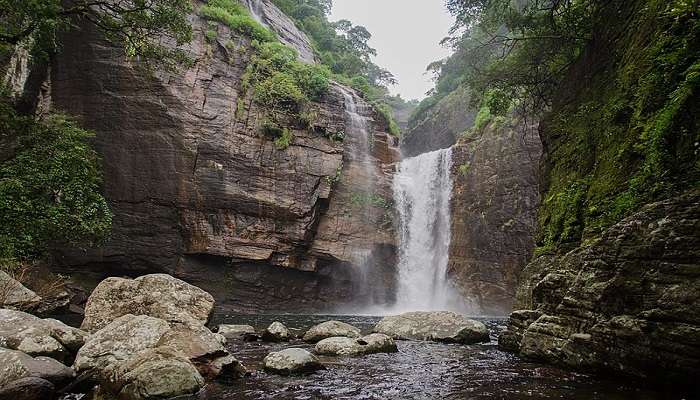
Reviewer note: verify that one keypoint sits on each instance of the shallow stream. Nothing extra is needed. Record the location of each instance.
(418, 371)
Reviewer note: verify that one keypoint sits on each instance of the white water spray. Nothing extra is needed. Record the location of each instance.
(256, 10)
(422, 191)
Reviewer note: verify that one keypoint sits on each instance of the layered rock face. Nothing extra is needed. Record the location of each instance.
(440, 126)
(626, 303)
(494, 212)
(197, 191)
(265, 12)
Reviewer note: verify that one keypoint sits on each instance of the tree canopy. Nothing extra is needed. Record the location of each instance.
(139, 25)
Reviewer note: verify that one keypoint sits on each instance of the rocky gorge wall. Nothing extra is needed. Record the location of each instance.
(616, 283)
(627, 303)
(494, 212)
(439, 126)
(199, 192)
(494, 201)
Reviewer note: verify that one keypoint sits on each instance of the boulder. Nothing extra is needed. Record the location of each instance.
(120, 340)
(204, 348)
(331, 329)
(38, 337)
(28, 389)
(276, 332)
(235, 331)
(130, 335)
(161, 296)
(440, 326)
(15, 295)
(291, 361)
(157, 373)
(344, 346)
(18, 365)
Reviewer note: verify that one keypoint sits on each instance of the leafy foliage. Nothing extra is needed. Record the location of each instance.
(236, 16)
(344, 49)
(632, 135)
(49, 186)
(139, 25)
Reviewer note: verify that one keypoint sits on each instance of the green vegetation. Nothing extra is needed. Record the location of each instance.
(49, 186)
(236, 16)
(139, 26)
(277, 80)
(633, 142)
(344, 49)
(625, 138)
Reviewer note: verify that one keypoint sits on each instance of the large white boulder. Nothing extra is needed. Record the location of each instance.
(344, 346)
(439, 326)
(291, 361)
(331, 329)
(161, 296)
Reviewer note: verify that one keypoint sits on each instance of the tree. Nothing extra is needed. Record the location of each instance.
(139, 25)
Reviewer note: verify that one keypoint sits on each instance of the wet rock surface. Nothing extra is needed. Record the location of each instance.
(292, 361)
(494, 213)
(196, 189)
(448, 371)
(329, 329)
(276, 332)
(344, 346)
(626, 303)
(440, 326)
(235, 331)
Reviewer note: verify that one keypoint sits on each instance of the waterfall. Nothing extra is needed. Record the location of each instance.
(358, 133)
(422, 192)
(256, 10)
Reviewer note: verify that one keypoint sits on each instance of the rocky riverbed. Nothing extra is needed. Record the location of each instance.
(156, 337)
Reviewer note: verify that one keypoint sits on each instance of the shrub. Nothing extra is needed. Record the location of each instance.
(49, 188)
(283, 142)
(236, 17)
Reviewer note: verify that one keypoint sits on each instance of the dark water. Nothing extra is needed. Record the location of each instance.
(418, 371)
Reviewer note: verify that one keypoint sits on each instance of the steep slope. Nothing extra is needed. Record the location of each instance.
(494, 212)
(440, 125)
(199, 191)
(616, 286)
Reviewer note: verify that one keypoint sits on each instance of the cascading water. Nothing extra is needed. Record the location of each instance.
(256, 11)
(361, 164)
(422, 192)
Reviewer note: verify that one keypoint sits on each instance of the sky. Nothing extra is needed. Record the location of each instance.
(406, 35)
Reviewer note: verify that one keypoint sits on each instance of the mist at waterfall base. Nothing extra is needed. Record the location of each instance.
(422, 193)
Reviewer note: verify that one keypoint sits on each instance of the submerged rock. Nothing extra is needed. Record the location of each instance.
(235, 331)
(331, 329)
(39, 337)
(344, 346)
(439, 326)
(276, 332)
(292, 361)
(161, 296)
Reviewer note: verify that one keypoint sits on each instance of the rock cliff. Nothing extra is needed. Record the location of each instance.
(616, 285)
(627, 303)
(494, 212)
(439, 126)
(198, 191)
